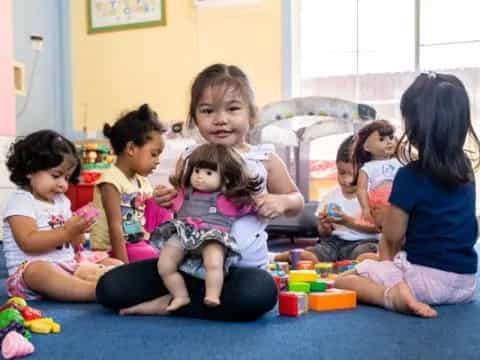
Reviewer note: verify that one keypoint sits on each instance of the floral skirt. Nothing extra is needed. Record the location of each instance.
(192, 240)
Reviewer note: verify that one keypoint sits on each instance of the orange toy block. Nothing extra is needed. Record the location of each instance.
(332, 299)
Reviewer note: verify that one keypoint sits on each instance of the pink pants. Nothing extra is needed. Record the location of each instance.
(429, 285)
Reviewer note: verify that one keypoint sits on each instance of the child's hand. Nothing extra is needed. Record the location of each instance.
(76, 241)
(164, 195)
(77, 225)
(269, 206)
(325, 225)
(367, 215)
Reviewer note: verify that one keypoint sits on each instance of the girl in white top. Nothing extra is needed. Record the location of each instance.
(223, 110)
(375, 167)
(39, 230)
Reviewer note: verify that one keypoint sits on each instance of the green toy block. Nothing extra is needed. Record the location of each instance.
(299, 287)
(318, 286)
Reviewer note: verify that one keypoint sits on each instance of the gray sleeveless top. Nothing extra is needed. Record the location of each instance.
(203, 207)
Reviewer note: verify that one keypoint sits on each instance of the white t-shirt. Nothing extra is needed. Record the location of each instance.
(380, 171)
(47, 216)
(352, 208)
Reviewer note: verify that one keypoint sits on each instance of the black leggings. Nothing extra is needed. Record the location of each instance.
(247, 293)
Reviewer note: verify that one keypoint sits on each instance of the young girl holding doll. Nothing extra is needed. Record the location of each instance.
(427, 248)
(39, 231)
(121, 192)
(214, 188)
(222, 109)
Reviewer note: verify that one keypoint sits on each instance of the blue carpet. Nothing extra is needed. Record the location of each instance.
(91, 332)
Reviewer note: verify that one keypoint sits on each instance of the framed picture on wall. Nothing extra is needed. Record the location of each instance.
(112, 15)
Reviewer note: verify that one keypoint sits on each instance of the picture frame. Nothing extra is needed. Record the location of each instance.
(113, 15)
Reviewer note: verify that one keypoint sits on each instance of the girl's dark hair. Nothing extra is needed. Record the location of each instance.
(134, 126)
(237, 183)
(344, 152)
(360, 155)
(436, 112)
(224, 77)
(41, 150)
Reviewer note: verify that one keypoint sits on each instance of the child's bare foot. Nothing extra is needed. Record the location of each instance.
(404, 301)
(156, 306)
(178, 302)
(211, 301)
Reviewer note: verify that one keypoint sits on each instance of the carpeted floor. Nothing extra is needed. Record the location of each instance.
(91, 332)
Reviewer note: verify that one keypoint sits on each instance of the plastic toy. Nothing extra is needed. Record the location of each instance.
(43, 326)
(318, 286)
(95, 156)
(9, 315)
(15, 326)
(324, 268)
(88, 212)
(302, 276)
(292, 304)
(344, 265)
(295, 257)
(17, 300)
(332, 299)
(303, 287)
(333, 210)
(30, 313)
(15, 345)
(280, 281)
(305, 265)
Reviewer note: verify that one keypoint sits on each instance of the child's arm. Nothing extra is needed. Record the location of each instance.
(354, 224)
(31, 240)
(164, 194)
(284, 197)
(393, 232)
(362, 194)
(111, 204)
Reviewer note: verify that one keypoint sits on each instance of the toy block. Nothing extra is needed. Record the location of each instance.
(299, 287)
(318, 286)
(305, 265)
(280, 281)
(344, 265)
(295, 257)
(324, 268)
(332, 299)
(302, 276)
(292, 304)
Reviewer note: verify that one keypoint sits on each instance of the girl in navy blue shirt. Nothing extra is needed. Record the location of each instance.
(427, 254)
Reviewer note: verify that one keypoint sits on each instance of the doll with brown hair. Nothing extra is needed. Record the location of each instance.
(214, 188)
(375, 166)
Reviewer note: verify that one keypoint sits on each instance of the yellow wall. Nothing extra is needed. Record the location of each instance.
(119, 70)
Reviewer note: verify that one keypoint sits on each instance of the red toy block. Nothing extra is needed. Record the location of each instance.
(292, 303)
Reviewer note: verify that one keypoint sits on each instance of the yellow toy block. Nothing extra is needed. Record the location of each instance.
(332, 299)
(302, 276)
(43, 326)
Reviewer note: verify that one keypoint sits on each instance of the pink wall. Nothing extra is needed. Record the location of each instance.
(7, 97)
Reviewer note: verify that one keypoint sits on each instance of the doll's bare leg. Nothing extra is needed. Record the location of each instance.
(54, 283)
(213, 258)
(170, 258)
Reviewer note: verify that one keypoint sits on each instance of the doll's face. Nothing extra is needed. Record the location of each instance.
(205, 179)
(381, 147)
